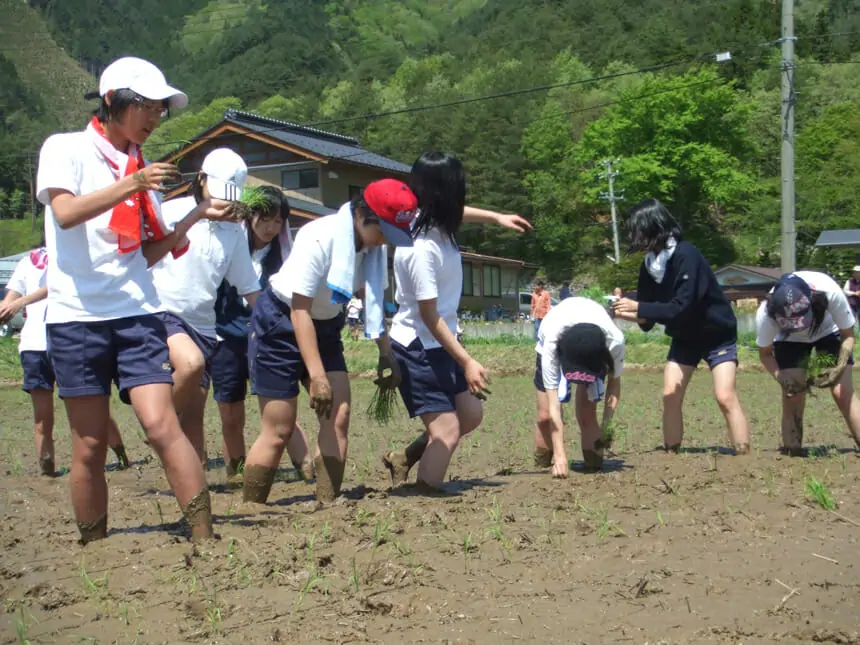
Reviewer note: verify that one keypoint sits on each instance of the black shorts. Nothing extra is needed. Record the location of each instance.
(229, 370)
(430, 378)
(176, 325)
(791, 355)
(38, 371)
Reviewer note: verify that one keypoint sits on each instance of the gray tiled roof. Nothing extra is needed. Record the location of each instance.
(313, 208)
(326, 144)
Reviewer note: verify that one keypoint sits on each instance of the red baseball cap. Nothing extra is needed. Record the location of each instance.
(396, 206)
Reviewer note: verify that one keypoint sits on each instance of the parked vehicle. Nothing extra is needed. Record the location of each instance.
(13, 326)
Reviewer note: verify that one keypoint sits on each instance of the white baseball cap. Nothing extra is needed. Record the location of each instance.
(142, 77)
(226, 173)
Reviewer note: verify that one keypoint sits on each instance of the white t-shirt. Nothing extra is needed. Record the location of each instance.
(305, 271)
(353, 309)
(89, 279)
(26, 279)
(188, 285)
(838, 316)
(430, 269)
(569, 312)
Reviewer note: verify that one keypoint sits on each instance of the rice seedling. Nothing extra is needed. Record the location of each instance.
(383, 403)
(818, 493)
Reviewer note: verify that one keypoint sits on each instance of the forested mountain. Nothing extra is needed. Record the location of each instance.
(702, 135)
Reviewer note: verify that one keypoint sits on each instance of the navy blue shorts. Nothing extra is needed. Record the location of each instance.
(274, 360)
(88, 356)
(431, 378)
(38, 371)
(176, 325)
(714, 353)
(791, 355)
(229, 370)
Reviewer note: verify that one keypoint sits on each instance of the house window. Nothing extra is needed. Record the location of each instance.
(467, 279)
(492, 281)
(355, 191)
(300, 179)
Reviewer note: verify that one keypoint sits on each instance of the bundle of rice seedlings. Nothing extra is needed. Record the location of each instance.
(383, 403)
(816, 364)
(253, 199)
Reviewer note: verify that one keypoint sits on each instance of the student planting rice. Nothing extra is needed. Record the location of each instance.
(678, 289)
(188, 285)
(440, 381)
(807, 310)
(580, 355)
(296, 327)
(26, 290)
(266, 228)
(103, 229)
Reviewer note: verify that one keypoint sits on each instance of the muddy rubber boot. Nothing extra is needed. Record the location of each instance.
(92, 531)
(742, 449)
(543, 458)
(593, 461)
(47, 466)
(258, 483)
(329, 474)
(198, 514)
(121, 458)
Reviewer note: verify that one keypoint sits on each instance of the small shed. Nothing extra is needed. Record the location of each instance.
(840, 239)
(741, 281)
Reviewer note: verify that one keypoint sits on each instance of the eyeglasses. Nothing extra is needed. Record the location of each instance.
(155, 108)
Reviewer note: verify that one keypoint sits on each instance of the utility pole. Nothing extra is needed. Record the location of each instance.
(789, 232)
(610, 173)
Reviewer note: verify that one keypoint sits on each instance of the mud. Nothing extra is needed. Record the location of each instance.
(592, 461)
(397, 465)
(198, 514)
(122, 459)
(329, 477)
(47, 466)
(235, 466)
(696, 549)
(92, 531)
(258, 483)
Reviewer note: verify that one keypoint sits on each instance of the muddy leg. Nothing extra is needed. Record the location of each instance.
(400, 462)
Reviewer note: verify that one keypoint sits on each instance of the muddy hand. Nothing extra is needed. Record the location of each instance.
(321, 396)
(156, 176)
(387, 373)
(829, 377)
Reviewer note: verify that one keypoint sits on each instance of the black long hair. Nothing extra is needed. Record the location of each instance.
(817, 303)
(359, 205)
(439, 182)
(650, 224)
(568, 351)
(121, 100)
(276, 205)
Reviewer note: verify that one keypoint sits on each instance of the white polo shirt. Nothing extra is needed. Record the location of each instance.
(188, 285)
(567, 313)
(26, 279)
(89, 279)
(305, 271)
(838, 316)
(430, 269)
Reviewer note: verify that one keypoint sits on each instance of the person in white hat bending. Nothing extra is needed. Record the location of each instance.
(103, 229)
(188, 286)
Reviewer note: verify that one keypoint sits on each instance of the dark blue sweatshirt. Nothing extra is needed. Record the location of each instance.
(689, 302)
(232, 315)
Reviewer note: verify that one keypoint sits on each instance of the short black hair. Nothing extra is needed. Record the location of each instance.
(438, 180)
(650, 224)
(568, 350)
(359, 204)
(121, 100)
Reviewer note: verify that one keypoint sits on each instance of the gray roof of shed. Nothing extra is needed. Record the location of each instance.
(846, 238)
(326, 144)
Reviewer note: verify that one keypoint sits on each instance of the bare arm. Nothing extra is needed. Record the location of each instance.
(9, 307)
(72, 210)
(613, 396)
(306, 335)
(214, 209)
(252, 298)
(768, 361)
(472, 215)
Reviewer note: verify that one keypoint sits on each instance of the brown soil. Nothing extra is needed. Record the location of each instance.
(198, 513)
(700, 547)
(329, 477)
(258, 483)
(92, 531)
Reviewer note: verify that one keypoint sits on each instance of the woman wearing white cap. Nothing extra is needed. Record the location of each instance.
(807, 310)
(188, 285)
(103, 229)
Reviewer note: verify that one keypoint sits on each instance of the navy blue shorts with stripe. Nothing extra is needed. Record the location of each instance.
(274, 360)
(38, 371)
(176, 325)
(229, 370)
(89, 356)
(430, 378)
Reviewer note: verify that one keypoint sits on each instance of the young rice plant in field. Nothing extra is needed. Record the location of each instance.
(817, 492)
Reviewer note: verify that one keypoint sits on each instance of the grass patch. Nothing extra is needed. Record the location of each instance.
(819, 494)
